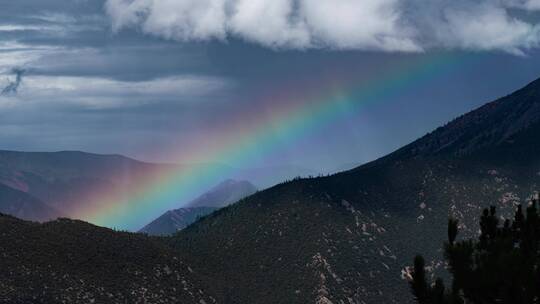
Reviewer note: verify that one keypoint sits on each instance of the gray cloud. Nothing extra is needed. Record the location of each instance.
(387, 25)
(13, 86)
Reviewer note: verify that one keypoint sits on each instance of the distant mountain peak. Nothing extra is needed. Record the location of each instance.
(223, 194)
(229, 182)
(227, 192)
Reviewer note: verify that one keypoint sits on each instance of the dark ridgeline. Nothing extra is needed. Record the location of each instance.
(345, 238)
(501, 266)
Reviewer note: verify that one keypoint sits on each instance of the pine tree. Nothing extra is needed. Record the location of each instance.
(502, 266)
(419, 283)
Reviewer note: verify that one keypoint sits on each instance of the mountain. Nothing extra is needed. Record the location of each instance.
(175, 220)
(67, 261)
(64, 180)
(227, 192)
(347, 238)
(67, 180)
(24, 206)
(344, 238)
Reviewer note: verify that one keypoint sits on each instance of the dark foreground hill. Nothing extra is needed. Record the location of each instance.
(346, 238)
(68, 261)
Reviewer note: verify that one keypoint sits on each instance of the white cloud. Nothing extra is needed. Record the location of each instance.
(185, 20)
(279, 23)
(490, 28)
(388, 25)
(23, 27)
(350, 24)
(268, 23)
(181, 20)
(532, 5)
(102, 93)
(15, 54)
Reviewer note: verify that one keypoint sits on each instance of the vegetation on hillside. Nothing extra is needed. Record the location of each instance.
(501, 266)
(69, 261)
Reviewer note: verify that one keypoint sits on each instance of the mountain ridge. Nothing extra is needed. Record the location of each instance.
(521, 106)
(373, 214)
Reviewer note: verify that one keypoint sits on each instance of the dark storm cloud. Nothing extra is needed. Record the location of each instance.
(13, 86)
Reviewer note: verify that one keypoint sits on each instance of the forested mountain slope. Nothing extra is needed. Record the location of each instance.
(347, 237)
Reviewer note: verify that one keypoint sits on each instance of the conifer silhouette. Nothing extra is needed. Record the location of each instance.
(502, 266)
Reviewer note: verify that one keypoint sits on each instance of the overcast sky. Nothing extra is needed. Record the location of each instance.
(149, 78)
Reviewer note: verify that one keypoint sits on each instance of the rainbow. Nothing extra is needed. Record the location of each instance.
(294, 113)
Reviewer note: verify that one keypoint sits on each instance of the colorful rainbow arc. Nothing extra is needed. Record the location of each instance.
(288, 123)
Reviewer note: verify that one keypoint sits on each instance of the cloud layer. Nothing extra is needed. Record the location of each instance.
(133, 92)
(388, 25)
